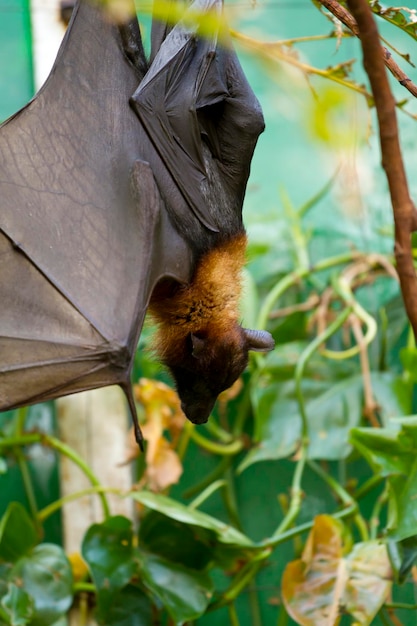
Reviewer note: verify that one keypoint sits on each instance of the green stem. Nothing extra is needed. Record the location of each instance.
(242, 413)
(210, 478)
(341, 493)
(58, 504)
(81, 587)
(382, 616)
(214, 428)
(278, 538)
(370, 484)
(4, 616)
(75, 458)
(296, 492)
(24, 468)
(376, 511)
(255, 612)
(223, 449)
(202, 497)
(230, 498)
(234, 620)
(294, 277)
(184, 441)
(296, 495)
(62, 448)
(308, 353)
(21, 440)
(275, 293)
(282, 616)
(343, 290)
(28, 487)
(400, 605)
(239, 583)
(344, 496)
(83, 610)
(20, 421)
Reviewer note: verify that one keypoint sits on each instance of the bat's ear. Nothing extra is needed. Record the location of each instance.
(199, 345)
(259, 340)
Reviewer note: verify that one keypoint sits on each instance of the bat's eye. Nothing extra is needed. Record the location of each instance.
(198, 345)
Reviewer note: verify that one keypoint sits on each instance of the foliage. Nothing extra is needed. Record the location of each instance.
(329, 413)
(359, 581)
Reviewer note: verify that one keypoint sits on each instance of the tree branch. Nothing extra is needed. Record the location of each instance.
(405, 214)
(346, 18)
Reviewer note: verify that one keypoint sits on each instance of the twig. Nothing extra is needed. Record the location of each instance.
(405, 214)
(311, 302)
(274, 50)
(346, 18)
(370, 405)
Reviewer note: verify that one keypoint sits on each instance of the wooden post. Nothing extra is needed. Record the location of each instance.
(95, 425)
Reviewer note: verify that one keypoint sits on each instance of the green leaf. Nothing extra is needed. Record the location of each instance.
(17, 533)
(224, 533)
(277, 423)
(331, 413)
(403, 556)
(408, 358)
(369, 582)
(18, 605)
(45, 574)
(392, 452)
(334, 413)
(130, 607)
(395, 16)
(176, 541)
(107, 549)
(331, 416)
(5, 569)
(185, 593)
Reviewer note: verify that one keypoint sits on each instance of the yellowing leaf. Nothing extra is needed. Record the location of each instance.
(324, 542)
(162, 413)
(79, 566)
(324, 582)
(309, 584)
(165, 467)
(370, 579)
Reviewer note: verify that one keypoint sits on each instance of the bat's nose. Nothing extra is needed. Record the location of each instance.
(198, 412)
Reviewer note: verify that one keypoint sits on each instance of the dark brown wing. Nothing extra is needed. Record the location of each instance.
(81, 232)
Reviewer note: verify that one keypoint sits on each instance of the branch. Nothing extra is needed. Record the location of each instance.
(346, 18)
(405, 214)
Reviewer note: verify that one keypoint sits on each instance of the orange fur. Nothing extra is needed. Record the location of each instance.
(208, 305)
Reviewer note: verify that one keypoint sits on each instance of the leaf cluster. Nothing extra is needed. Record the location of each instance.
(327, 419)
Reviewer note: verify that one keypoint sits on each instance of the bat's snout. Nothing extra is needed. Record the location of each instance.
(197, 413)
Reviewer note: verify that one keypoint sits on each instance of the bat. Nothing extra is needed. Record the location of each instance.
(121, 188)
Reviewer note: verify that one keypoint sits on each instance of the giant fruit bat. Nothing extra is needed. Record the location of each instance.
(121, 187)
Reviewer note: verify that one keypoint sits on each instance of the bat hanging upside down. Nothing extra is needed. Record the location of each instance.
(209, 127)
(199, 337)
(121, 187)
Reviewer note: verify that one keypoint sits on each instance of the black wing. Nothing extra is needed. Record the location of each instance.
(202, 118)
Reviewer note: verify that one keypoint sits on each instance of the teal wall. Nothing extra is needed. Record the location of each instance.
(16, 69)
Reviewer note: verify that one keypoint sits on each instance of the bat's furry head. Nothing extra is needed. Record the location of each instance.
(199, 337)
(211, 364)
